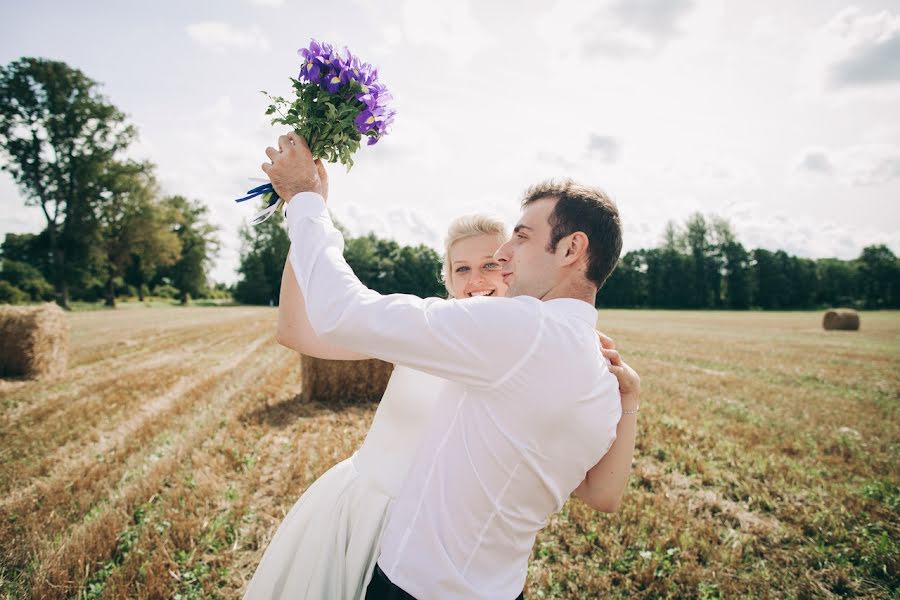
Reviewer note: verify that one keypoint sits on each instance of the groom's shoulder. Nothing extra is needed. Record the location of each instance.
(517, 305)
(488, 304)
(493, 313)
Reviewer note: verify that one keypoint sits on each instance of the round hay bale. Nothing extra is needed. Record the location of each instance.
(340, 381)
(845, 319)
(34, 341)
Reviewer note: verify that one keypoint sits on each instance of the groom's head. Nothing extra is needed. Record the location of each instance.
(568, 238)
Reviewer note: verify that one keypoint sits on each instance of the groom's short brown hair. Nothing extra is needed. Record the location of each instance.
(586, 209)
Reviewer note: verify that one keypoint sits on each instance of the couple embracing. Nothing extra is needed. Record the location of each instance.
(504, 401)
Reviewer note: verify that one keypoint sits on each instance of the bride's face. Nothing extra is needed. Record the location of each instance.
(473, 270)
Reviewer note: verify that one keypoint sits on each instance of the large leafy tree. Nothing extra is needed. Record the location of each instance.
(134, 227)
(199, 245)
(263, 251)
(57, 133)
(155, 244)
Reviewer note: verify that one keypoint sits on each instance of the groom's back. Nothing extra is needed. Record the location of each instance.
(498, 460)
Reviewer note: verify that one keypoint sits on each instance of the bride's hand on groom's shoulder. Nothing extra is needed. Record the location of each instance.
(292, 169)
(629, 380)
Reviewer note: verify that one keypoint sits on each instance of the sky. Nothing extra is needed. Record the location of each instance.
(778, 116)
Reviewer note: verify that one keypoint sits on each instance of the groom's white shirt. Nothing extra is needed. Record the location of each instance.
(531, 407)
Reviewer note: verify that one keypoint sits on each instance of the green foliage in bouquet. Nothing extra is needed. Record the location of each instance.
(324, 119)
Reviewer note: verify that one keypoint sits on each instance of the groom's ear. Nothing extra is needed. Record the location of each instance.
(575, 247)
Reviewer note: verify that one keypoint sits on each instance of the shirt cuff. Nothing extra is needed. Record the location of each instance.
(304, 204)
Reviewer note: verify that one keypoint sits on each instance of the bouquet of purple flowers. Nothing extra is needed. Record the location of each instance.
(338, 101)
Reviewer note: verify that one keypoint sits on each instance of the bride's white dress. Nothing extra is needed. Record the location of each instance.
(328, 543)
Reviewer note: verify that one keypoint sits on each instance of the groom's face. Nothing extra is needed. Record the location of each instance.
(529, 269)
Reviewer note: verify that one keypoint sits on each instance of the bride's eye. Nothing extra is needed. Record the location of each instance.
(461, 269)
(492, 266)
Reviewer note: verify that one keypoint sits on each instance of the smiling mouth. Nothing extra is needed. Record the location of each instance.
(481, 293)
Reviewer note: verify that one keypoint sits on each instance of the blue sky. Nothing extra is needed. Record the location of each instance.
(778, 116)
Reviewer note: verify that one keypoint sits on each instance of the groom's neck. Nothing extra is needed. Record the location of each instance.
(582, 290)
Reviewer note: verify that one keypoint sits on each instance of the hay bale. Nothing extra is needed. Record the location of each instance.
(845, 319)
(34, 341)
(344, 380)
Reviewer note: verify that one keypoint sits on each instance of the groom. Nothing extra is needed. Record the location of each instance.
(531, 407)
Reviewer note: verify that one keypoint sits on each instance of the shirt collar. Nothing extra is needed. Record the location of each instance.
(576, 308)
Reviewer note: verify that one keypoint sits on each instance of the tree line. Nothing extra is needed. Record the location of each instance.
(701, 265)
(698, 265)
(381, 264)
(109, 229)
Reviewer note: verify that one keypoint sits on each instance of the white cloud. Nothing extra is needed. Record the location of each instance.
(405, 225)
(604, 148)
(815, 160)
(710, 171)
(447, 26)
(220, 37)
(763, 29)
(858, 166)
(810, 236)
(267, 2)
(625, 28)
(855, 51)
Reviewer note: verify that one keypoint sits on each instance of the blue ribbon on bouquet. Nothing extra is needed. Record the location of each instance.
(273, 202)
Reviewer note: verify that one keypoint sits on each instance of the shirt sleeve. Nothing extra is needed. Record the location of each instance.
(477, 341)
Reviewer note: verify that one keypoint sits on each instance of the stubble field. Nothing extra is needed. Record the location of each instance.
(160, 465)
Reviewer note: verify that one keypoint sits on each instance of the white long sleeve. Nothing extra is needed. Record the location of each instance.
(468, 341)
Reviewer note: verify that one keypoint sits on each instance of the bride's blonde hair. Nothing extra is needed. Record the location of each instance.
(467, 226)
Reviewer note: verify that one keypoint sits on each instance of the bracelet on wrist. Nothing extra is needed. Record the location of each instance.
(632, 412)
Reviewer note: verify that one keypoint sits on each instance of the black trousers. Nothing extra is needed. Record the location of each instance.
(381, 588)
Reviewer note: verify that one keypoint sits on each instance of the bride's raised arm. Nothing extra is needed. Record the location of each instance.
(294, 330)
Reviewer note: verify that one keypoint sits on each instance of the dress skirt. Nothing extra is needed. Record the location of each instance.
(328, 543)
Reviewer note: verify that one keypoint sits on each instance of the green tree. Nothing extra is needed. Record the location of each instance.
(135, 229)
(264, 248)
(879, 273)
(199, 244)
(771, 279)
(10, 294)
(56, 134)
(417, 271)
(154, 244)
(30, 248)
(627, 286)
(372, 259)
(26, 278)
(668, 270)
(736, 262)
(838, 282)
(697, 239)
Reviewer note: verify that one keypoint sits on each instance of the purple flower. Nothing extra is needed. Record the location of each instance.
(365, 121)
(333, 83)
(337, 70)
(310, 70)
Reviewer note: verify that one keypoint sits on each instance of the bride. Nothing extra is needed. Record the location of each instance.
(328, 543)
